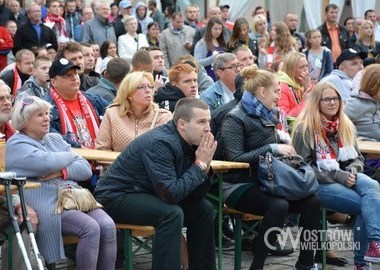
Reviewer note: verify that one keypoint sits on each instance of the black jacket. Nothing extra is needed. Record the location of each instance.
(167, 96)
(26, 38)
(5, 15)
(245, 138)
(158, 162)
(343, 37)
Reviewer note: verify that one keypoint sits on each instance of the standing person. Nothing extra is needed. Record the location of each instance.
(6, 45)
(295, 83)
(5, 13)
(156, 14)
(56, 22)
(130, 42)
(210, 45)
(114, 12)
(142, 16)
(153, 34)
(169, 166)
(18, 16)
(366, 41)
(291, 21)
(132, 114)
(34, 34)
(326, 138)
(279, 43)
(240, 37)
(349, 24)
(176, 40)
(318, 57)
(225, 9)
(99, 28)
(334, 36)
(249, 131)
(56, 164)
(73, 18)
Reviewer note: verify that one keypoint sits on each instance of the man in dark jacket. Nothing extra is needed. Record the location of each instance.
(160, 180)
(332, 31)
(34, 34)
(5, 13)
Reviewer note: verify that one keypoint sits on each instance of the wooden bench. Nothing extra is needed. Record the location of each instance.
(238, 218)
(131, 232)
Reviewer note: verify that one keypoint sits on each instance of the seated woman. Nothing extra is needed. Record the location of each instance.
(295, 83)
(54, 163)
(366, 40)
(250, 130)
(325, 137)
(132, 114)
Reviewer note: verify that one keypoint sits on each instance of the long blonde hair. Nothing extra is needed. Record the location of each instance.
(128, 88)
(310, 119)
(361, 35)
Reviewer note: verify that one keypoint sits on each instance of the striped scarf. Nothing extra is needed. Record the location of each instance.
(327, 157)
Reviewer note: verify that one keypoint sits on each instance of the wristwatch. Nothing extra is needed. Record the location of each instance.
(201, 164)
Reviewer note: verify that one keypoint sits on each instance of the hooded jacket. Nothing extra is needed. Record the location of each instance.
(145, 20)
(341, 81)
(364, 112)
(167, 96)
(32, 88)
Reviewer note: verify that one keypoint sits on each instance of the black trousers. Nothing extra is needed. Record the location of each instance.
(168, 219)
(274, 210)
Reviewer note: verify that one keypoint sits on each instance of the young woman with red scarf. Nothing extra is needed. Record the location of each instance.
(325, 137)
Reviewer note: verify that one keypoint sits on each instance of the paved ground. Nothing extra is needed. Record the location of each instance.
(143, 262)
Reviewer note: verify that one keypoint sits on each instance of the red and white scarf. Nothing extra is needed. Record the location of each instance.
(58, 22)
(327, 158)
(282, 128)
(17, 82)
(66, 117)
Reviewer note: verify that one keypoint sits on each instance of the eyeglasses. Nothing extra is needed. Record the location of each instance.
(10, 99)
(234, 67)
(143, 87)
(25, 102)
(328, 100)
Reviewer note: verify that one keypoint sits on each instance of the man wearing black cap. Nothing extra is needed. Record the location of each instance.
(349, 62)
(225, 9)
(75, 115)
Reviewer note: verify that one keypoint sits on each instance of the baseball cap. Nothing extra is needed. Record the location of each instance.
(125, 4)
(348, 54)
(224, 6)
(61, 67)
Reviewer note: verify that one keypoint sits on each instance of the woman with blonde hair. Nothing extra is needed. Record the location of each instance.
(132, 113)
(279, 43)
(366, 40)
(249, 131)
(259, 27)
(326, 138)
(294, 82)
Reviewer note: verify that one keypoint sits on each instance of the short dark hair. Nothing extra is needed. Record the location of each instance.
(116, 70)
(184, 108)
(368, 11)
(141, 57)
(152, 2)
(151, 24)
(330, 6)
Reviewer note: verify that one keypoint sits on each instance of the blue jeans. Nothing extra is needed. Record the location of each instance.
(97, 232)
(362, 200)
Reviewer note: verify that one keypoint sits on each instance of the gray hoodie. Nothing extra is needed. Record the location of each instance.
(145, 20)
(31, 87)
(364, 112)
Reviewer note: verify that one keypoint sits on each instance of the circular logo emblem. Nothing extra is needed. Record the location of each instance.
(64, 61)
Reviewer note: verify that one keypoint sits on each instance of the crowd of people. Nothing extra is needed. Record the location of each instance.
(130, 78)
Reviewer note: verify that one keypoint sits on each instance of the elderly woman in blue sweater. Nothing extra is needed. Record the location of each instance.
(46, 158)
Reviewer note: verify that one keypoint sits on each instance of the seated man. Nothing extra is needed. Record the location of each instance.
(182, 83)
(115, 72)
(37, 84)
(75, 115)
(160, 180)
(7, 131)
(226, 67)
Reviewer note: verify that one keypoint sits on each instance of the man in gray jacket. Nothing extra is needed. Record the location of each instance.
(99, 29)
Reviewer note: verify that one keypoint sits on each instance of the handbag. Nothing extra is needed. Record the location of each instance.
(73, 197)
(288, 176)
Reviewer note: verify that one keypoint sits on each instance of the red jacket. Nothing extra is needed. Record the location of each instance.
(291, 101)
(6, 44)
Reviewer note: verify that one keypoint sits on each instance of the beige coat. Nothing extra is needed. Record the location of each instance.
(116, 132)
